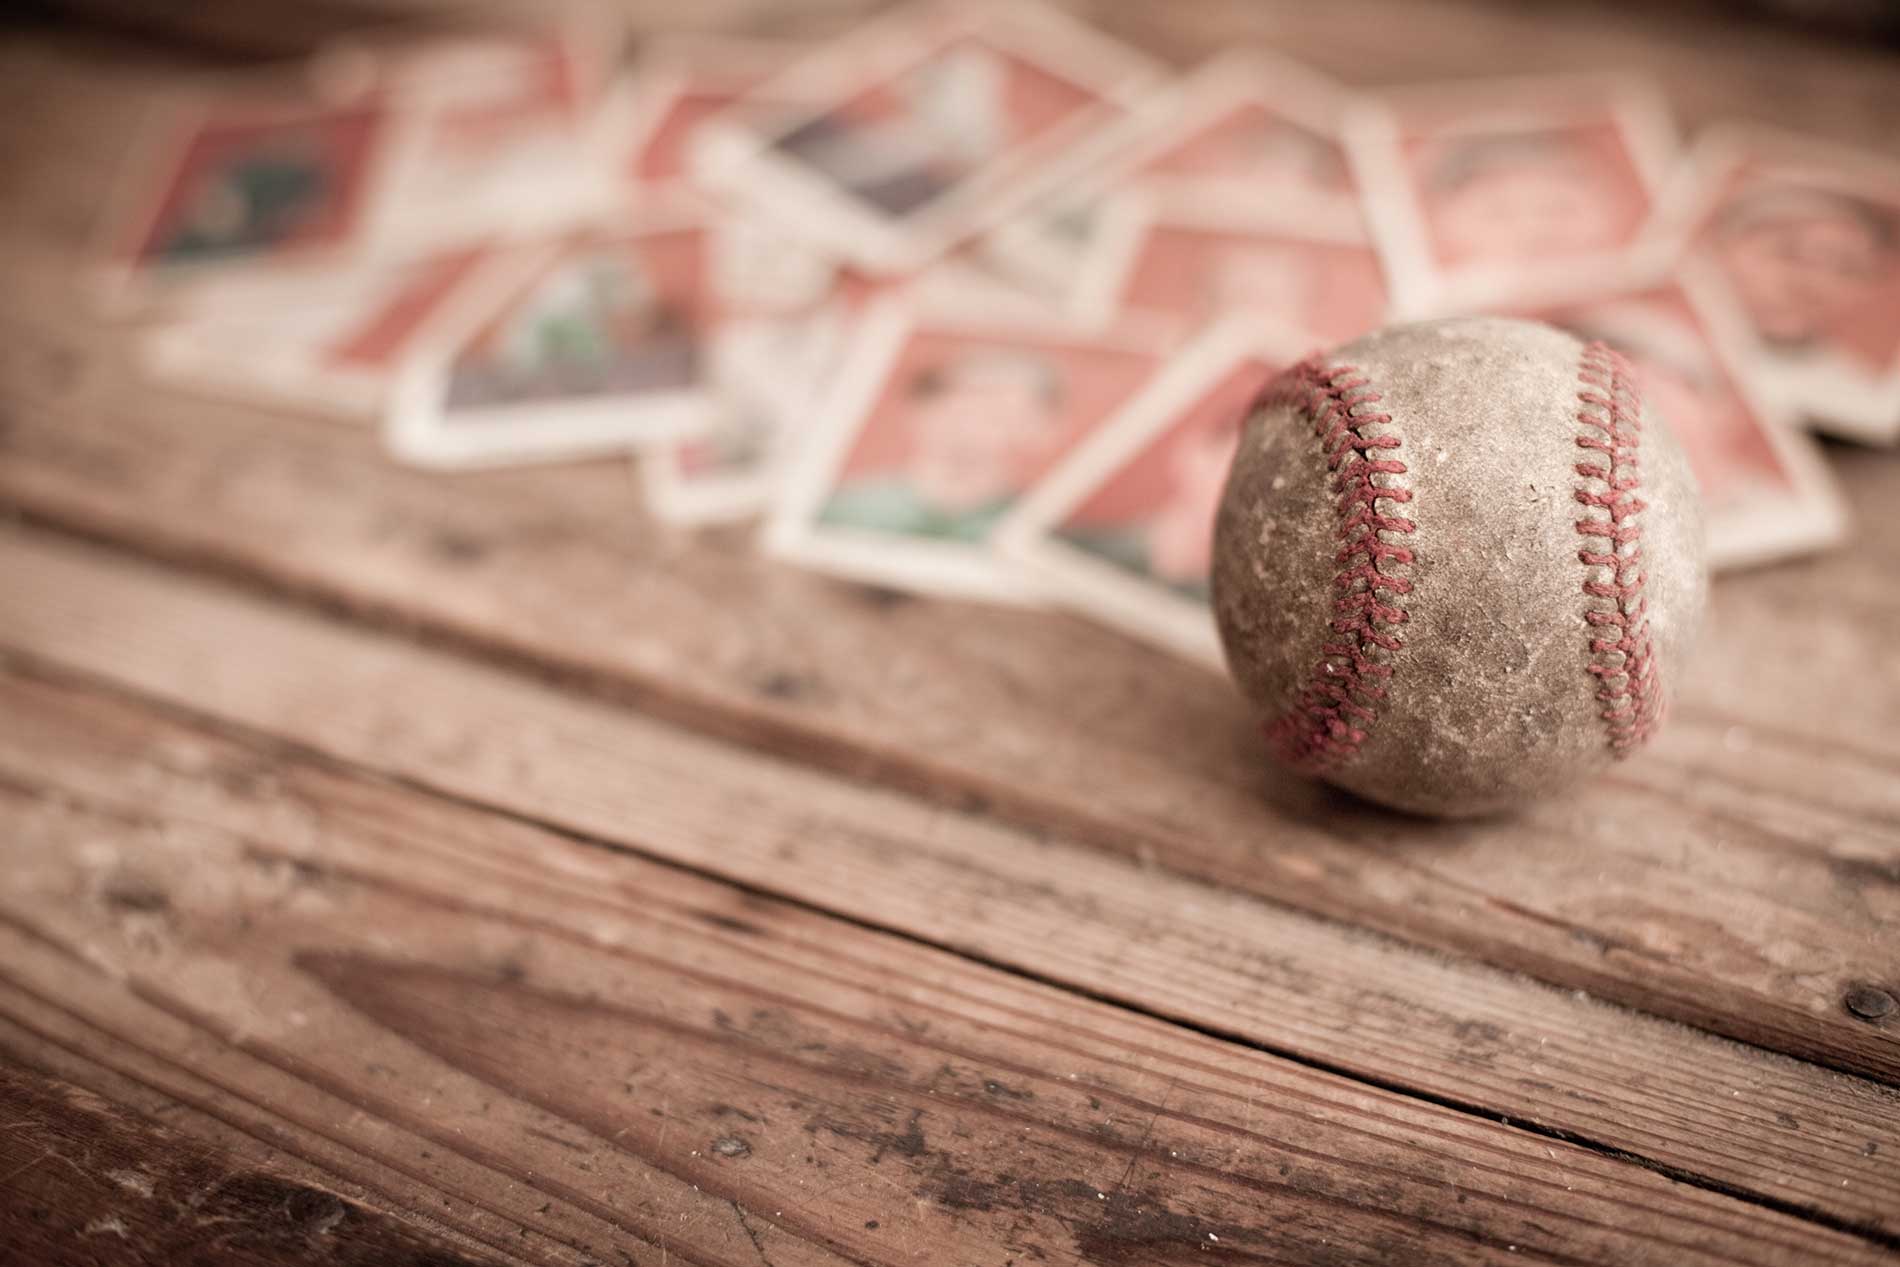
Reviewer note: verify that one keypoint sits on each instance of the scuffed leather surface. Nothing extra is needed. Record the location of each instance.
(1490, 701)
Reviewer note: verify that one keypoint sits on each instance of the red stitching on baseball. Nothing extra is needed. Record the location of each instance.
(1327, 723)
(1622, 655)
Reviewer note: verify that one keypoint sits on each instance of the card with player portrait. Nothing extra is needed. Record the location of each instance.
(930, 432)
(494, 135)
(1249, 131)
(234, 175)
(330, 342)
(922, 127)
(1800, 240)
(1766, 492)
(1194, 267)
(1123, 527)
(1480, 191)
(771, 375)
(602, 340)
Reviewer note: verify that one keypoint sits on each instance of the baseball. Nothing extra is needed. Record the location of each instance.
(1456, 564)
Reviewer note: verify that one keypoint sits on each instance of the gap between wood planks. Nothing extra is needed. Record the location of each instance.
(193, 798)
(323, 644)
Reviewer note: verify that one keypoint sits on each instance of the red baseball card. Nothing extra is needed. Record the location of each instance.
(924, 127)
(772, 373)
(1249, 135)
(1196, 268)
(1478, 192)
(238, 179)
(604, 340)
(931, 432)
(1800, 240)
(1123, 527)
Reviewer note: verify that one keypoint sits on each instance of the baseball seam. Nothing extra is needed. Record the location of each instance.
(1622, 654)
(1328, 720)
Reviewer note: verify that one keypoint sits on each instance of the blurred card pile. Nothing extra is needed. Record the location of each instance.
(969, 300)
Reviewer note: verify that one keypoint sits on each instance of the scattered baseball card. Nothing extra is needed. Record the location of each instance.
(600, 342)
(492, 137)
(233, 177)
(925, 127)
(1250, 133)
(930, 433)
(1766, 493)
(1251, 130)
(1194, 267)
(1478, 192)
(1123, 527)
(771, 374)
(1801, 242)
(329, 342)
(969, 299)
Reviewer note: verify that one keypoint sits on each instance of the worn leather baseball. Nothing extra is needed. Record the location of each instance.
(1456, 564)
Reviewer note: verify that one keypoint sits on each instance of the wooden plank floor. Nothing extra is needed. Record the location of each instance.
(411, 869)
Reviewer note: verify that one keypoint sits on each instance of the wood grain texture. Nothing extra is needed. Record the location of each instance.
(1224, 962)
(1738, 876)
(82, 1182)
(242, 904)
(722, 1078)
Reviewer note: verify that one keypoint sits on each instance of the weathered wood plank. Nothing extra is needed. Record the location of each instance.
(1222, 961)
(89, 1030)
(727, 1079)
(1709, 881)
(82, 1181)
(1632, 893)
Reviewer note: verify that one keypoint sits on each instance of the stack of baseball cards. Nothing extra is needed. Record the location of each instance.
(971, 299)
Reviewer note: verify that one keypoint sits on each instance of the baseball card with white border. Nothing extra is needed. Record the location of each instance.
(768, 377)
(238, 173)
(331, 341)
(1479, 191)
(930, 432)
(925, 126)
(492, 135)
(1800, 241)
(603, 340)
(1195, 266)
(771, 375)
(1123, 527)
(1249, 130)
